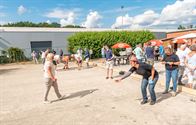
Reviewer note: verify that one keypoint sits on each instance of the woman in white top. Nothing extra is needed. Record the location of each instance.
(190, 63)
(49, 76)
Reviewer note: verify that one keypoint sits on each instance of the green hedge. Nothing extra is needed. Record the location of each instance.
(12, 55)
(95, 40)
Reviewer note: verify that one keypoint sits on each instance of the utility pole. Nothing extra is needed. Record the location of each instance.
(122, 15)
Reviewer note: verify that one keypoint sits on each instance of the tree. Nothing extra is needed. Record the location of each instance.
(73, 26)
(180, 27)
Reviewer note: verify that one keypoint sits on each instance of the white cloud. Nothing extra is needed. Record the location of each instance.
(48, 21)
(59, 13)
(123, 20)
(66, 17)
(180, 12)
(92, 20)
(69, 20)
(21, 10)
(144, 19)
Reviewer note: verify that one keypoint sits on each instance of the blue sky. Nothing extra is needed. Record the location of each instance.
(101, 13)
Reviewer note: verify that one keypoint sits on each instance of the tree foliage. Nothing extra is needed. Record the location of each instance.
(41, 24)
(12, 55)
(96, 40)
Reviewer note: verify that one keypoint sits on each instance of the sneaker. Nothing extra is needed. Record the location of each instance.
(143, 102)
(111, 77)
(174, 94)
(47, 102)
(165, 92)
(152, 102)
(107, 78)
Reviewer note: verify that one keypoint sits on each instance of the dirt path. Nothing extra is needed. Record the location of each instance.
(92, 101)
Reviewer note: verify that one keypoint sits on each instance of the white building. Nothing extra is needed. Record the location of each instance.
(30, 39)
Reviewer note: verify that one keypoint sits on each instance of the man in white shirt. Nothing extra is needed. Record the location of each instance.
(181, 53)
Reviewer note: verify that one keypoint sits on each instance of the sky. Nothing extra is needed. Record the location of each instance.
(102, 13)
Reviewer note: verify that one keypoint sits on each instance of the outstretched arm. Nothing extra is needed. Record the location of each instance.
(124, 76)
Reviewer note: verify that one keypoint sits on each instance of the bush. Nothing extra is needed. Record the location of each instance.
(4, 59)
(12, 55)
(15, 54)
(96, 40)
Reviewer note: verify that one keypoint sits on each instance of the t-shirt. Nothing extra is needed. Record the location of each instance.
(138, 52)
(171, 58)
(191, 60)
(46, 68)
(182, 55)
(161, 50)
(77, 57)
(144, 70)
(108, 54)
(150, 52)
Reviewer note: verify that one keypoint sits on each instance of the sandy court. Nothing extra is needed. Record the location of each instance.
(92, 100)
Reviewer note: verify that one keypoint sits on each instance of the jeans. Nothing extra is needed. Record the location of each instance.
(174, 75)
(180, 73)
(150, 88)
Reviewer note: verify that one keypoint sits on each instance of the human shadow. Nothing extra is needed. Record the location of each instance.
(75, 68)
(3, 71)
(161, 97)
(80, 94)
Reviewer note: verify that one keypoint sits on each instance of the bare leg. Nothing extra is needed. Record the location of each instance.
(107, 73)
(111, 73)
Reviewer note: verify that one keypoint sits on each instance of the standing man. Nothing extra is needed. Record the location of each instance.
(150, 78)
(161, 51)
(139, 53)
(171, 62)
(87, 56)
(150, 54)
(109, 62)
(182, 55)
(34, 56)
(61, 53)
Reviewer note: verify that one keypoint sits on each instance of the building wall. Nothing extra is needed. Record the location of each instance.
(180, 33)
(23, 39)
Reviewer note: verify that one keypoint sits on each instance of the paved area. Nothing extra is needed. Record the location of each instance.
(92, 100)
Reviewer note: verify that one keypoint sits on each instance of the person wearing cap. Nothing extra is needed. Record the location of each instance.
(172, 63)
(150, 78)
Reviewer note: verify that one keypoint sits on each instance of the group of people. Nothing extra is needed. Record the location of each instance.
(177, 65)
(184, 60)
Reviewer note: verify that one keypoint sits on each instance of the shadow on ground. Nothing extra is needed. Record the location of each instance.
(4, 71)
(77, 94)
(75, 68)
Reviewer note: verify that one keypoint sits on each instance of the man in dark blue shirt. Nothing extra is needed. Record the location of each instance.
(87, 56)
(150, 54)
(109, 62)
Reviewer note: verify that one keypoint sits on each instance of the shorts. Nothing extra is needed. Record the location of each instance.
(87, 60)
(110, 64)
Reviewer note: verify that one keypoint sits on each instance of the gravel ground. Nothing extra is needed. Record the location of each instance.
(90, 99)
